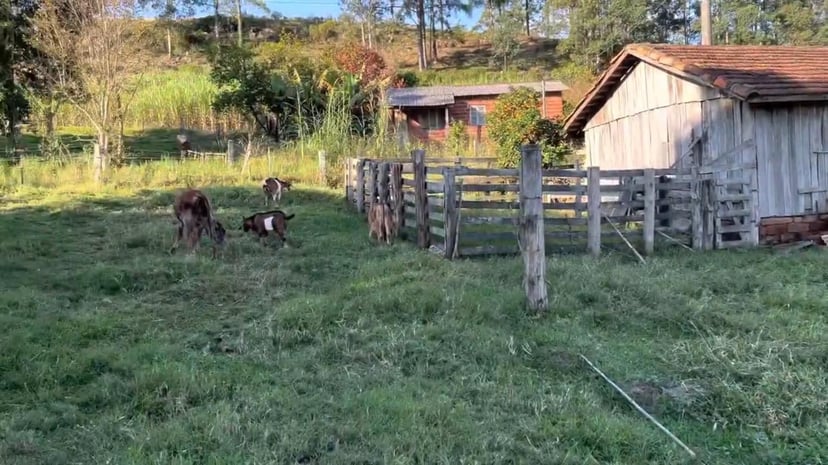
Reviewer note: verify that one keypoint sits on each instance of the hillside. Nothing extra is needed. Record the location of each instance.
(176, 89)
(463, 56)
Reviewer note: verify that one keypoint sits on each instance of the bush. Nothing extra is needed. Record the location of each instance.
(325, 31)
(516, 120)
(457, 139)
(361, 61)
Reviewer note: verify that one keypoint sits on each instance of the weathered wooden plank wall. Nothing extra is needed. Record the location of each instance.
(647, 121)
(793, 175)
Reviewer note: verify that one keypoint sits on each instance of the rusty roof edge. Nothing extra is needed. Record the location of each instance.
(647, 53)
(577, 114)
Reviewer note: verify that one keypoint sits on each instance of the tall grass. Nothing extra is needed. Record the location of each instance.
(181, 97)
(77, 172)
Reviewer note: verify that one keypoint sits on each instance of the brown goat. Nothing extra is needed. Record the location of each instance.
(273, 188)
(195, 216)
(262, 223)
(381, 222)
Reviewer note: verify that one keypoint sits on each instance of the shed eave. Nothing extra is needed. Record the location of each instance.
(793, 98)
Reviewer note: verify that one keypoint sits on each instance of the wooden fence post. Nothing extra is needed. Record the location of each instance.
(372, 183)
(710, 212)
(449, 211)
(421, 199)
(360, 185)
(397, 201)
(696, 224)
(649, 210)
(594, 210)
(231, 152)
(97, 161)
(382, 186)
(323, 167)
(754, 206)
(578, 196)
(349, 164)
(531, 232)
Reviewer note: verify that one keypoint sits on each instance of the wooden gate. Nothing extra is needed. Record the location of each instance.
(729, 193)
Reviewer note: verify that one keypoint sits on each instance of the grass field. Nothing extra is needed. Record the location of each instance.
(336, 351)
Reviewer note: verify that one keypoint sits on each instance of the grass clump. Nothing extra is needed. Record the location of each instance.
(337, 351)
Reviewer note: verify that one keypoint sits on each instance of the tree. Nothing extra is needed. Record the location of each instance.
(503, 23)
(92, 40)
(246, 86)
(16, 70)
(368, 13)
(239, 4)
(516, 120)
(171, 10)
(429, 13)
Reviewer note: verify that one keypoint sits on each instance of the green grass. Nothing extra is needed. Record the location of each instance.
(338, 351)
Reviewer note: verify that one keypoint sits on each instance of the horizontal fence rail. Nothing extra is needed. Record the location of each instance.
(462, 209)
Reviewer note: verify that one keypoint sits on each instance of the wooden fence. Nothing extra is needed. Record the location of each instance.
(467, 207)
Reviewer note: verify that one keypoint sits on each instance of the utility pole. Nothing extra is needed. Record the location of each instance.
(706, 26)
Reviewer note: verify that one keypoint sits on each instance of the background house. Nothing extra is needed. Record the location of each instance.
(424, 113)
(765, 106)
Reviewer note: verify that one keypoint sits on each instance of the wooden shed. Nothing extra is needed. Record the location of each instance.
(760, 108)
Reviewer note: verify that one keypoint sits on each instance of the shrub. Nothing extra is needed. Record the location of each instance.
(361, 61)
(284, 55)
(516, 120)
(325, 31)
(457, 139)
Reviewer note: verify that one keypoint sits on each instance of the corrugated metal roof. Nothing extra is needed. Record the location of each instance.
(445, 95)
(418, 99)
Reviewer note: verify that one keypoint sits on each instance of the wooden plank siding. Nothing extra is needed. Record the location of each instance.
(648, 120)
(793, 179)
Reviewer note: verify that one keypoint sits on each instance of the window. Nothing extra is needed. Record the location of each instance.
(477, 115)
(434, 118)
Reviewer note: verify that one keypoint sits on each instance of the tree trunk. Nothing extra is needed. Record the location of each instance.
(216, 17)
(169, 42)
(239, 21)
(526, 5)
(421, 36)
(433, 33)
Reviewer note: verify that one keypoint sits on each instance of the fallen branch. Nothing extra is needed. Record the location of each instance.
(638, 407)
(625, 240)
